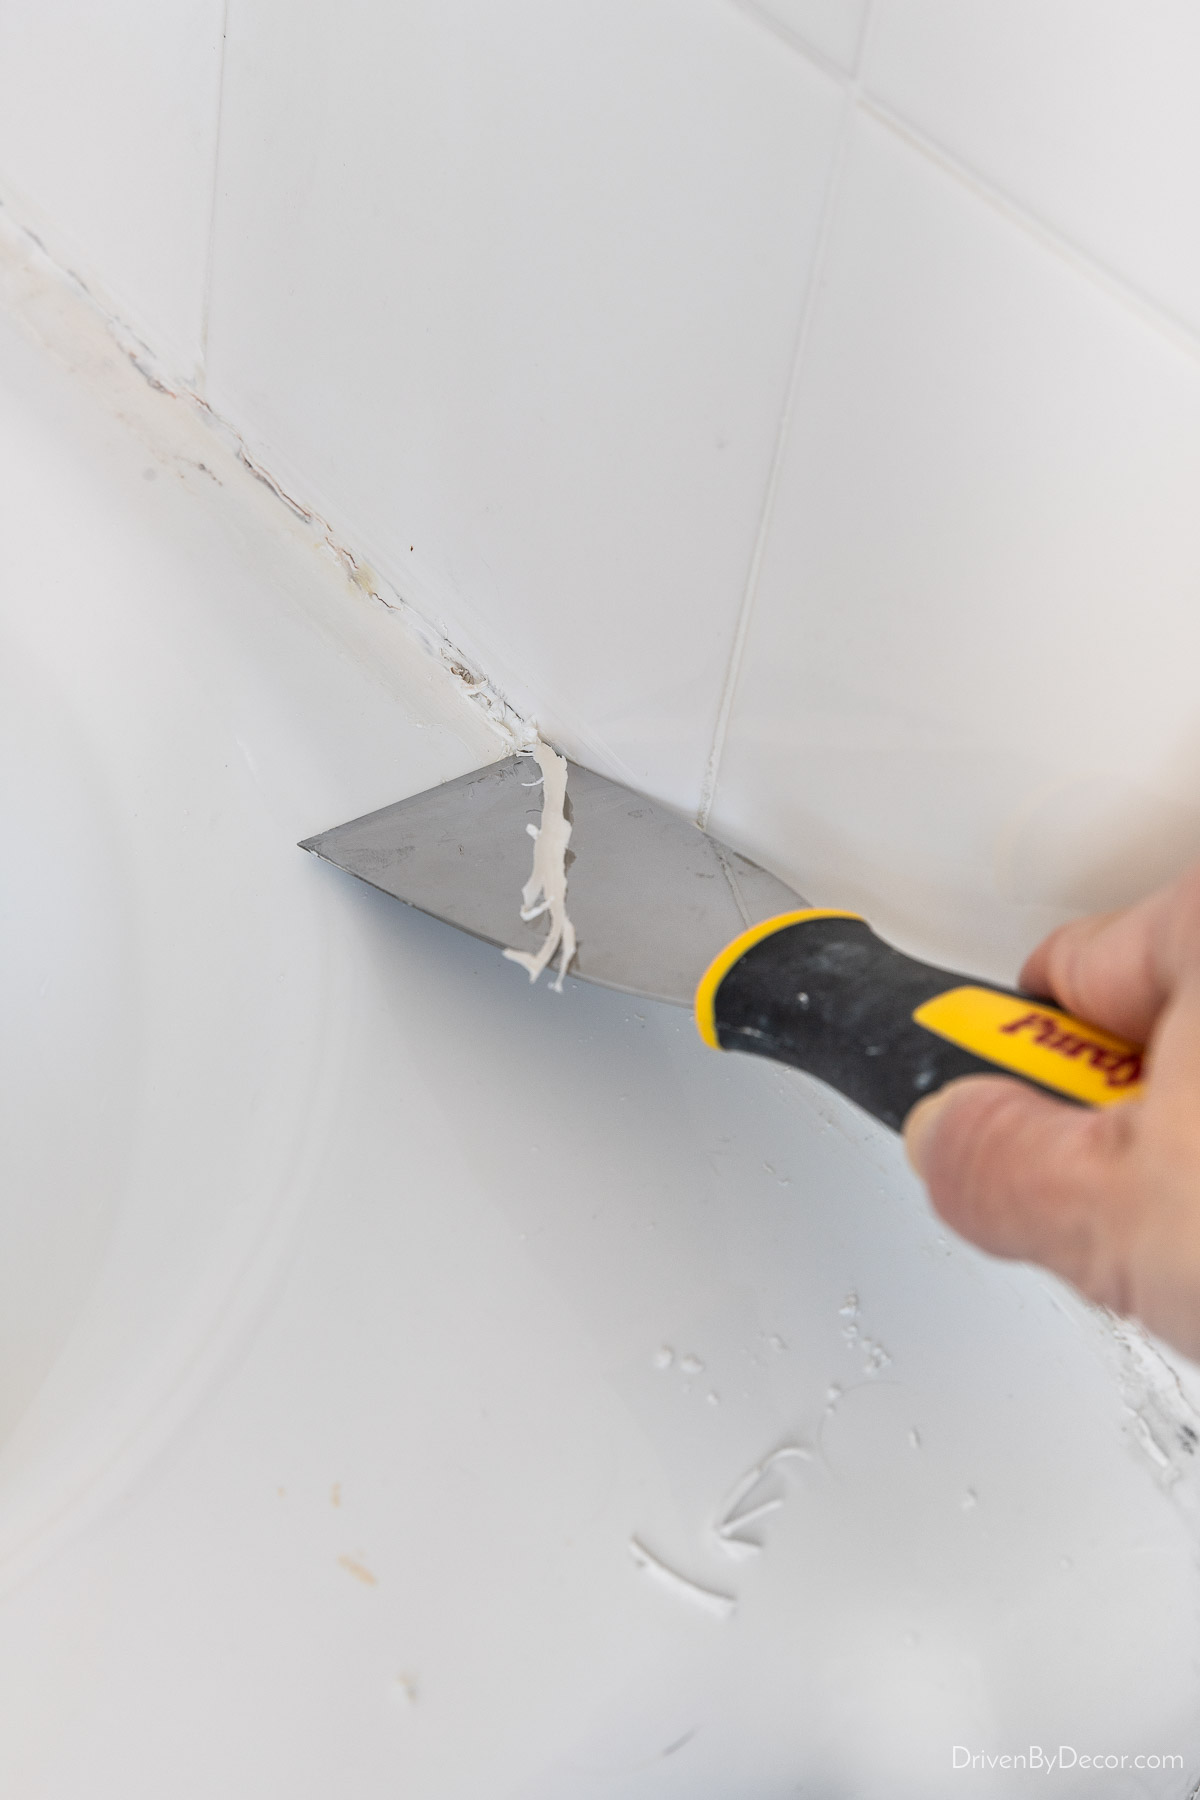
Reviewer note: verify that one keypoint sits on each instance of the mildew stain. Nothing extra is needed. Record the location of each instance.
(359, 1570)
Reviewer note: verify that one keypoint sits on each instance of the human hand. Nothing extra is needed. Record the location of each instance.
(1109, 1199)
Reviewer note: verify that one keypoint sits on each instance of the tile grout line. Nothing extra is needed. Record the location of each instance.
(1154, 313)
(866, 31)
(745, 615)
(1148, 311)
(755, 11)
(206, 302)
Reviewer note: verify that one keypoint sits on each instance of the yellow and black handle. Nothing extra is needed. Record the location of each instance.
(817, 989)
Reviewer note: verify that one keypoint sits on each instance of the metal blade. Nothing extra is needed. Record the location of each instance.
(653, 898)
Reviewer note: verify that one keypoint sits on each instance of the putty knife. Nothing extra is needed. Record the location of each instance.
(663, 910)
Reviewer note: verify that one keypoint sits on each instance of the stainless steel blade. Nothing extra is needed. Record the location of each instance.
(652, 896)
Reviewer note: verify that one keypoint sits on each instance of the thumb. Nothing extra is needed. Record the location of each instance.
(1026, 1176)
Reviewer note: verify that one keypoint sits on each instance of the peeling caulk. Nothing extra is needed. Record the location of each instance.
(546, 889)
(519, 735)
(27, 266)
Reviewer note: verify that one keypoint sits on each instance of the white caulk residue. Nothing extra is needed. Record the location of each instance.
(546, 889)
(751, 1500)
(1162, 1421)
(721, 1606)
(874, 1356)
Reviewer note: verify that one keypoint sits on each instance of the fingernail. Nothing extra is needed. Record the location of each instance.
(919, 1128)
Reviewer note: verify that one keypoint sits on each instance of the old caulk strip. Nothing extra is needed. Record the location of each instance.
(546, 889)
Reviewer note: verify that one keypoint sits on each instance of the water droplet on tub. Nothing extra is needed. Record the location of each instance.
(691, 1364)
(849, 1307)
(663, 1357)
(970, 1500)
(914, 1438)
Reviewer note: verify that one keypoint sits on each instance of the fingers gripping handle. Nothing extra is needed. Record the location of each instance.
(820, 991)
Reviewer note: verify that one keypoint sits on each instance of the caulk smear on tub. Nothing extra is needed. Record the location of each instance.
(546, 889)
(721, 1606)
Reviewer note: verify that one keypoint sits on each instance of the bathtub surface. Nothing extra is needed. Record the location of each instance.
(392, 1355)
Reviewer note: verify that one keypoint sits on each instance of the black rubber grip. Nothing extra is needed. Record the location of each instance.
(829, 997)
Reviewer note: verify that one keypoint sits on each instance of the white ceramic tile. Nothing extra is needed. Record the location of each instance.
(387, 1248)
(512, 295)
(1084, 111)
(832, 27)
(969, 702)
(108, 127)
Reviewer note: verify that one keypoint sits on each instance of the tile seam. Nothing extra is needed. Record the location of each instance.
(776, 28)
(1155, 313)
(210, 249)
(746, 605)
(1152, 313)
